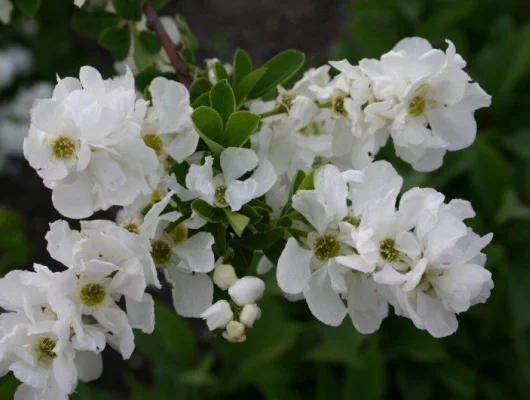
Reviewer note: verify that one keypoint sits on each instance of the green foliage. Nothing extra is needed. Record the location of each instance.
(240, 126)
(279, 69)
(93, 23)
(222, 100)
(129, 9)
(209, 125)
(29, 7)
(117, 40)
(14, 247)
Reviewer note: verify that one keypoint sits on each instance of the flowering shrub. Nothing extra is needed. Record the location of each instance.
(213, 177)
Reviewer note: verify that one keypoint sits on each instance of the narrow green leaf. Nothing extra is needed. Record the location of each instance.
(129, 9)
(279, 69)
(202, 100)
(92, 23)
(198, 87)
(260, 241)
(150, 42)
(29, 7)
(117, 40)
(240, 126)
(222, 100)
(220, 71)
(252, 213)
(308, 182)
(209, 126)
(242, 66)
(237, 221)
(206, 211)
(243, 88)
(297, 181)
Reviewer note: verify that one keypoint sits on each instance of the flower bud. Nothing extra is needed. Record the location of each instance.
(249, 314)
(264, 265)
(224, 276)
(235, 332)
(218, 315)
(247, 290)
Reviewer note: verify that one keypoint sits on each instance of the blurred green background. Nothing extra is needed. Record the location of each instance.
(289, 355)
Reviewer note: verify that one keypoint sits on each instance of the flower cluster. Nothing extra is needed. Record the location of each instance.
(418, 95)
(421, 258)
(214, 180)
(57, 324)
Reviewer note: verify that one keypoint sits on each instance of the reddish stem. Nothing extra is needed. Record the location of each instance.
(154, 24)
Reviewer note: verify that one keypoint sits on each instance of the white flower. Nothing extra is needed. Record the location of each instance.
(247, 290)
(249, 314)
(225, 189)
(218, 315)
(327, 269)
(434, 100)
(85, 143)
(168, 129)
(224, 276)
(235, 332)
(5, 11)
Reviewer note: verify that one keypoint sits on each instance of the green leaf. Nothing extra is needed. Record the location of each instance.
(199, 87)
(150, 42)
(142, 57)
(243, 88)
(242, 66)
(129, 9)
(29, 7)
(297, 181)
(308, 183)
(222, 100)
(220, 71)
(240, 126)
(206, 211)
(252, 213)
(117, 40)
(260, 241)
(92, 23)
(237, 221)
(279, 69)
(202, 100)
(491, 175)
(190, 40)
(8, 386)
(210, 127)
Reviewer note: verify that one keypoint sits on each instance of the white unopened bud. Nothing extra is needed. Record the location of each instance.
(224, 276)
(218, 315)
(247, 290)
(235, 332)
(249, 314)
(264, 265)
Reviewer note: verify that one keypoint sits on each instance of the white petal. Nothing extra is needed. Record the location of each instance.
(183, 146)
(239, 193)
(89, 365)
(237, 161)
(265, 177)
(324, 303)
(218, 315)
(171, 102)
(196, 252)
(141, 314)
(366, 307)
(192, 293)
(454, 125)
(75, 200)
(247, 290)
(312, 205)
(293, 272)
(438, 321)
(329, 182)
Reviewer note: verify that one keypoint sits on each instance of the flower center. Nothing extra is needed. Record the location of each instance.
(313, 129)
(387, 250)
(154, 141)
(179, 234)
(160, 251)
(44, 349)
(350, 219)
(326, 247)
(337, 106)
(131, 227)
(417, 106)
(63, 148)
(219, 196)
(286, 99)
(93, 294)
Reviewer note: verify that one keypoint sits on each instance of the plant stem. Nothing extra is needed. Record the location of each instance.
(275, 111)
(154, 24)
